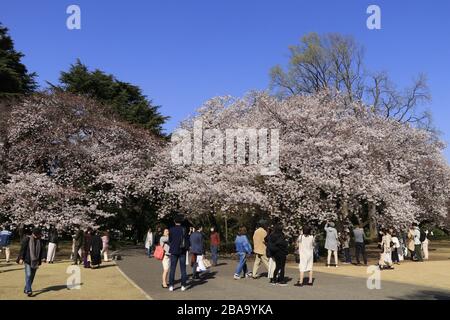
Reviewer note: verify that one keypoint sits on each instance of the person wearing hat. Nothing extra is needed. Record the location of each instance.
(260, 248)
(331, 243)
(31, 255)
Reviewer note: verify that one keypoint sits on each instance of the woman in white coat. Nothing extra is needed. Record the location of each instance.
(306, 252)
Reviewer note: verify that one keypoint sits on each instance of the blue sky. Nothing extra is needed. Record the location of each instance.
(184, 52)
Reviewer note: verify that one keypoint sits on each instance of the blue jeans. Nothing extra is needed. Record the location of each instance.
(29, 277)
(242, 265)
(173, 265)
(347, 255)
(214, 250)
(150, 252)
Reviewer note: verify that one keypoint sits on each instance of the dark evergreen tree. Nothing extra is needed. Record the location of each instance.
(14, 76)
(126, 99)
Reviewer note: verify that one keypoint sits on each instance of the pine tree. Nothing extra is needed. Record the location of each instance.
(14, 76)
(126, 99)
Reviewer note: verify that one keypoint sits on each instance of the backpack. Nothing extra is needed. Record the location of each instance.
(423, 236)
(183, 240)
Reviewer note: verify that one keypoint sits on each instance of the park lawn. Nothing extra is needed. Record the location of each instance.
(106, 283)
(431, 273)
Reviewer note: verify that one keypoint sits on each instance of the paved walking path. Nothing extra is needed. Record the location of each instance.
(219, 283)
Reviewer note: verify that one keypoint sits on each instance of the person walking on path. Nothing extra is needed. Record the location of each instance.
(87, 242)
(331, 243)
(164, 243)
(5, 242)
(214, 246)
(346, 247)
(78, 247)
(96, 250)
(278, 247)
(31, 255)
(105, 246)
(52, 244)
(306, 253)
(196, 249)
(260, 248)
(360, 246)
(417, 243)
(243, 249)
(149, 241)
(179, 243)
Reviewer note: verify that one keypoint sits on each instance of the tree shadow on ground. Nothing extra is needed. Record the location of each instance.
(425, 295)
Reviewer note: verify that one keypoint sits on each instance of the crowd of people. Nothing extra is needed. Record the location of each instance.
(183, 246)
(88, 246)
(40, 243)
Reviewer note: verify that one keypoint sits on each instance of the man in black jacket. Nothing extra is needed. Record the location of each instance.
(179, 244)
(31, 254)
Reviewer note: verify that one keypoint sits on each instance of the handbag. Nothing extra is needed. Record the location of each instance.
(159, 253)
(200, 264)
(207, 263)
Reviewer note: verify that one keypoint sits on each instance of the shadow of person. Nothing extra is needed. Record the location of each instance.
(220, 264)
(50, 289)
(203, 279)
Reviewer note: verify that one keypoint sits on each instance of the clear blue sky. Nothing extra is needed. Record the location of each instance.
(184, 52)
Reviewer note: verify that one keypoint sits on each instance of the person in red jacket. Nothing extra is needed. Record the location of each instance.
(215, 243)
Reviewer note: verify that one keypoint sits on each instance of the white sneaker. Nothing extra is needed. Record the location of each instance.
(236, 277)
(171, 288)
(183, 288)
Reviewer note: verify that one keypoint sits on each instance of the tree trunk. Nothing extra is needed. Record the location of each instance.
(372, 221)
(226, 231)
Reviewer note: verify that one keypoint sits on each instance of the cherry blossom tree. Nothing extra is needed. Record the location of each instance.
(70, 161)
(339, 160)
